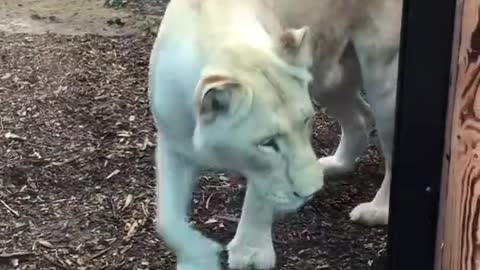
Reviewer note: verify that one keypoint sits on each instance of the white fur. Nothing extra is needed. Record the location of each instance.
(200, 42)
(252, 244)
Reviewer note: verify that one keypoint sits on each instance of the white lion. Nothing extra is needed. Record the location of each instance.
(229, 88)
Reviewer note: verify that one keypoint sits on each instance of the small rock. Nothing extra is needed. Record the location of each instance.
(35, 16)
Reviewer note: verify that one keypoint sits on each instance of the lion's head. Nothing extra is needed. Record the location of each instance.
(254, 116)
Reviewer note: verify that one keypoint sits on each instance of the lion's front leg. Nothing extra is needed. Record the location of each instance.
(252, 244)
(175, 181)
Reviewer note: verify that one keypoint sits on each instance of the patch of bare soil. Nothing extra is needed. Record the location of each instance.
(77, 177)
(103, 17)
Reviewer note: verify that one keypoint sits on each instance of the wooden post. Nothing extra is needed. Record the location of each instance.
(459, 224)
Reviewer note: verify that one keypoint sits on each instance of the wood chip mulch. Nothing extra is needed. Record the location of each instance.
(77, 177)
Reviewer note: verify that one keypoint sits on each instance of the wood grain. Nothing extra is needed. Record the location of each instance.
(460, 239)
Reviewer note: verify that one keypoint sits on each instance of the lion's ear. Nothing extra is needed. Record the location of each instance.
(295, 45)
(216, 95)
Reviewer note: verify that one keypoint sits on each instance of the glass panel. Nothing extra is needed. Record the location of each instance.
(102, 110)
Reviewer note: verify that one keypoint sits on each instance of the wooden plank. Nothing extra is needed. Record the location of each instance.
(460, 242)
(448, 131)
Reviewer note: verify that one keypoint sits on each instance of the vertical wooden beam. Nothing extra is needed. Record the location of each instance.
(448, 131)
(459, 245)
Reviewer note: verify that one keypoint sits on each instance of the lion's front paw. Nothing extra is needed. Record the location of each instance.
(202, 255)
(333, 165)
(260, 255)
(207, 264)
(370, 214)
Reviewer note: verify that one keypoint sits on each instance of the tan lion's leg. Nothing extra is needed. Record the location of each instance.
(353, 115)
(381, 93)
(339, 93)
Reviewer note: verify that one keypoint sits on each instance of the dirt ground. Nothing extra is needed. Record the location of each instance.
(76, 147)
(102, 17)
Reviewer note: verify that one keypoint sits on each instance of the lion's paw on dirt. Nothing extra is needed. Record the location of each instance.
(208, 259)
(242, 256)
(370, 214)
(207, 264)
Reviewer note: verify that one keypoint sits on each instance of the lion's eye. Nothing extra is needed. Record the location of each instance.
(271, 143)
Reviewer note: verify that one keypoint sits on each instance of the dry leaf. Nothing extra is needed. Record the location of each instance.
(6, 76)
(14, 262)
(45, 243)
(124, 133)
(132, 230)
(80, 261)
(128, 201)
(211, 220)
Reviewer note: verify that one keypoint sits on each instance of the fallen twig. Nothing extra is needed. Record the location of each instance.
(60, 163)
(52, 261)
(229, 218)
(15, 254)
(115, 172)
(115, 266)
(207, 204)
(9, 208)
(13, 136)
(1, 125)
(102, 252)
(114, 208)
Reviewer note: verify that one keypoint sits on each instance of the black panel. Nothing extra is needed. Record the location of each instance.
(424, 78)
